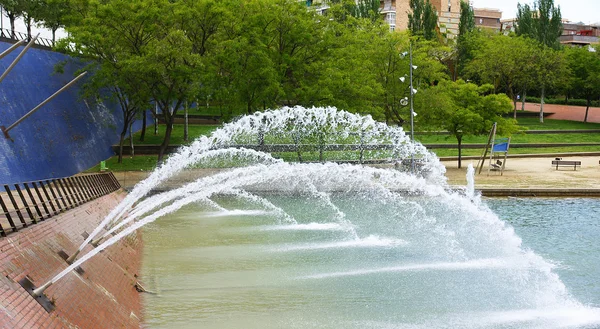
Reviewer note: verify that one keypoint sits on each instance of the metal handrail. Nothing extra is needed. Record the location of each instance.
(33, 202)
(18, 36)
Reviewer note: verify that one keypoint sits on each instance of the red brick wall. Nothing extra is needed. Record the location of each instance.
(104, 296)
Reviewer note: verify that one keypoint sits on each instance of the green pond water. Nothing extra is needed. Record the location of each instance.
(414, 263)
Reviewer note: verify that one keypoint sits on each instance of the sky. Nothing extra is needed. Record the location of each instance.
(587, 11)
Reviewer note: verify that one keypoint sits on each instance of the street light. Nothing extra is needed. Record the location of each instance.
(413, 91)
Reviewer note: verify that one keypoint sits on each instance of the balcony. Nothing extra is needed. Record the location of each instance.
(578, 39)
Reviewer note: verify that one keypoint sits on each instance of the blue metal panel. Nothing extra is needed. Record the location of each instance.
(66, 136)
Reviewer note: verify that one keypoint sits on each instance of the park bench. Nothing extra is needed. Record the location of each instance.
(565, 163)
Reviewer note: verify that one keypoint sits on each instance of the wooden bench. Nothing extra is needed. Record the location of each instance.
(565, 163)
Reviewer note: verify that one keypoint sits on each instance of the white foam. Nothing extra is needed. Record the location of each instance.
(237, 212)
(568, 316)
(305, 227)
(442, 266)
(368, 242)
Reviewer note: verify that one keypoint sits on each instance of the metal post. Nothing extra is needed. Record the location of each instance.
(87, 197)
(13, 47)
(15, 206)
(6, 130)
(58, 198)
(8, 216)
(12, 65)
(42, 201)
(412, 132)
(32, 199)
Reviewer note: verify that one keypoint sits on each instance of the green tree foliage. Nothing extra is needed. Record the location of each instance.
(467, 19)
(51, 15)
(367, 9)
(13, 10)
(542, 23)
(422, 19)
(585, 77)
(508, 63)
(464, 109)
(550, 71)
(112, 34)
(466, 26)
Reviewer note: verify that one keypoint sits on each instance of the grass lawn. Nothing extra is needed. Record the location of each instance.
(516, 138)
(147, 163)
(534, 124)
(194, 132)
(138, 163)
(541, 150)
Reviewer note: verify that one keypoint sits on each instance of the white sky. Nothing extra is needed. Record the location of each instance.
(587, 11)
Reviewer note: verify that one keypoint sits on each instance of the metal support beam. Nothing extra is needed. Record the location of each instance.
(13, 47)
(6, 130)
(12, 65)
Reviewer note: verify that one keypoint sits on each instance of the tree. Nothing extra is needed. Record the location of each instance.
(464, 109)
(467, 19)
(12, 9)
(585, 77)
(171, 72)
(550, 71)
(543, 23)
(110, 35)
(422, 19)
(52, 14)
(367, 9)
(466, 26)
(508, 63)
(30, 10)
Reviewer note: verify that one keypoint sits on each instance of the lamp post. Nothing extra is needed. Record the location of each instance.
(412, 113)
(412, 93)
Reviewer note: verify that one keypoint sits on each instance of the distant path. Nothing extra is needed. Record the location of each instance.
(565, 112)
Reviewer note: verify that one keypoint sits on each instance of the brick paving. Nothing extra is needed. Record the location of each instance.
(103, 296)
(565, 112)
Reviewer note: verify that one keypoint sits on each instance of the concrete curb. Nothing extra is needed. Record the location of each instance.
(540, 192)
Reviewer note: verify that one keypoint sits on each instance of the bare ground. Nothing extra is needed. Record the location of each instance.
(530, 173)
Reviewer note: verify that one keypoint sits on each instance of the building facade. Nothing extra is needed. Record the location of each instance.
(488, 18)
(579, 34)
(395, 13)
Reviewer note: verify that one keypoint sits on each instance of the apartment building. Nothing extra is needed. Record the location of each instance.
(579, 34)
(395, 13)
(488, 18)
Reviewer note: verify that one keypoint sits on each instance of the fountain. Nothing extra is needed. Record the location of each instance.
(341, 245)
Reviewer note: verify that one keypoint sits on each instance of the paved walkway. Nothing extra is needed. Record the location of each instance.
(531, 173)
(565, 112)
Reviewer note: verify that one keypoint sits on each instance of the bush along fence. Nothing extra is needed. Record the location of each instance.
(28, 203)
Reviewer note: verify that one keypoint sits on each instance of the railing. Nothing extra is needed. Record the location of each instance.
(18, 36)
(28, 203)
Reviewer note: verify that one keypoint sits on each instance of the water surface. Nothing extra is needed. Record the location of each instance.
(417, 264)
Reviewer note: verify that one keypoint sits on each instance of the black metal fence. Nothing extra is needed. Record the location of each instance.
(28, 203)
(18, 36)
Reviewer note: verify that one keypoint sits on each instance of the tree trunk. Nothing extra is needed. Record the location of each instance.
(459, 139)
(166, 140)
(155, 119)
(587, 108)
(523, 100)
(515, 108)
(12, 18)
(132, 152)
(54, 37)
(121, 142)
(28, 25)
(185, 124)
(542, 105)
(144, 119)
